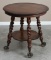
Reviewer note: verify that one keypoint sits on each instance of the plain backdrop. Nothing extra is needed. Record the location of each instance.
(5, 18)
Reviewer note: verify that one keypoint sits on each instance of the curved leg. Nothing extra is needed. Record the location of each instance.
(10, 33)
(29, 37)
(40, 32)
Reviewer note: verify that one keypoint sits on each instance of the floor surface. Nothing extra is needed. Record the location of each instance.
(18, 50)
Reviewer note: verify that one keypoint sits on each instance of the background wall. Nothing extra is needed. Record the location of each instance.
(4, 17)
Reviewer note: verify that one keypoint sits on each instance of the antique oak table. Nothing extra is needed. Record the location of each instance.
(25, 10)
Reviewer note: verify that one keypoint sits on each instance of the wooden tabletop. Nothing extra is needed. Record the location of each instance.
(25, 9)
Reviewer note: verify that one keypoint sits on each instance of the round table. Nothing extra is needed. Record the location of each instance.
(27, 10)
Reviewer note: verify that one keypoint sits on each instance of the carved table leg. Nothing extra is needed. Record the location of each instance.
(21, 22)
(29, 37)
(10, 33)
(21, 28)
(40, 32)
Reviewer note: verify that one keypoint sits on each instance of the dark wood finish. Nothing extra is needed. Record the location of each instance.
(29, 36)
(10, 33)
(21, 29)
(23, 37)
(27, 10)
(21, 22)
(40, 32)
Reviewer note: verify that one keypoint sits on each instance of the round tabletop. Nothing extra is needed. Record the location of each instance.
(25, 9)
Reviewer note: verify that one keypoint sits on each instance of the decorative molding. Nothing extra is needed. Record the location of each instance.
(25, 23)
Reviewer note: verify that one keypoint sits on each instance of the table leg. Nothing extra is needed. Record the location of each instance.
(40, 32)
(21, 28)
(10, 33)
(21, 22)
(29, 37)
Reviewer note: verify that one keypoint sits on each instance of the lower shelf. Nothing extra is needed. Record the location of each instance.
(22, 36)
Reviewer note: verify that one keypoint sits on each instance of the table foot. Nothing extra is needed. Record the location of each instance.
(43, 44)
(6, 47)
(30, 55)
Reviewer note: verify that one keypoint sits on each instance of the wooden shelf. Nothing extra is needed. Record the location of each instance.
(22, 35)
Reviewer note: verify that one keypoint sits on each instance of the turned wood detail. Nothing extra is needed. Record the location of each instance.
(21, 22)
(29, 34)
(27, 10)
(10, 30)
(39, 29)
(21, 28)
